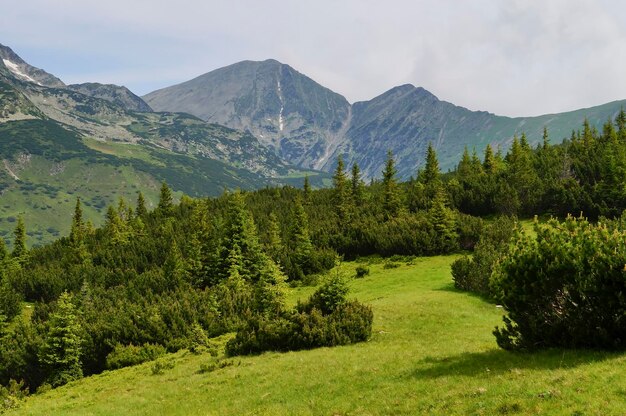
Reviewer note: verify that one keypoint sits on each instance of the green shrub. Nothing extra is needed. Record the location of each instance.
(160, 366)
(326, 319)
(361, 272)
(12, 395)
(128, 355)
(473, 274)
(563, 287)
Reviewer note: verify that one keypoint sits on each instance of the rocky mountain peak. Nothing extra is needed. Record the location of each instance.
(19, 69)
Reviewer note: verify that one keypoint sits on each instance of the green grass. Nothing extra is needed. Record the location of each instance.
(431, 352)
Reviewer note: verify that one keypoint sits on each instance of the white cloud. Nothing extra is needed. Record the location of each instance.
(516, 57)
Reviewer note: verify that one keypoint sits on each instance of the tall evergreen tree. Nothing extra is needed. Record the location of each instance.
(77, 232)
(307, 190)
(19, 242)
(166, 205)
(357, 185)
(3, 251)
(620, 122)
(392, 203)
(301, 239)
(341, 193)
(274, 242)
(61, 352)
(430, 174)
(141, 211)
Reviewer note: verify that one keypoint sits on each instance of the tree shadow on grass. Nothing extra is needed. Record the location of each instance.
(497, 361)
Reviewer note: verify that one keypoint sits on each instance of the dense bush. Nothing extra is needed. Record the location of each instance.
(128, 355)
(474, 273)
(327, 319)
(564, 287)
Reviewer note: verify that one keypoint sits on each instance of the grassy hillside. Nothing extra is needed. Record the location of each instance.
(431, 352)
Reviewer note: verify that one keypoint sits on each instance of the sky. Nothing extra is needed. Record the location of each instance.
(513, 57)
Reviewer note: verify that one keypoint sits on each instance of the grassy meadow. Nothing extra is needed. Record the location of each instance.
(431, 352)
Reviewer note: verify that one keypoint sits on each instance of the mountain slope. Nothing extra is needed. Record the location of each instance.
(290, 113)
(11, 63)
(121, 96)
(62, 142)
(310, 125)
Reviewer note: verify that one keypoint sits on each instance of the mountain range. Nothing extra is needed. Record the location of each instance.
(309, 125)
(247, 125)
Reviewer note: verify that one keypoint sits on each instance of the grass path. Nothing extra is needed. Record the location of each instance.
(431, 352)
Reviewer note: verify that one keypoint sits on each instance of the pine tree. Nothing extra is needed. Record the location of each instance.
(489, 163)
(141, 211)
(166, 206)
(3, 251)
(307, 190)
(174, 268)
(301, 239)
(444, 222)
(464, 168)
(241, 231)
(357, 185)
(77, 232)
(341, 195)
(274, 242)
(114, 227)
(620, 122)
(61, 351)
(430, 174)
(19, 242)
(391, 193)
(545, 138)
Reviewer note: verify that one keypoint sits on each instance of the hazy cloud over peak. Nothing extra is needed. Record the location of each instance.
(514, 57)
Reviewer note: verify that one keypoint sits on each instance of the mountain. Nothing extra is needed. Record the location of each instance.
(13, 65)
(290, 113)
(60, 142)
(309, 125)
(121, 96)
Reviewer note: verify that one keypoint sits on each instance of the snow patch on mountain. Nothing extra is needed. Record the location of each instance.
(16, 70)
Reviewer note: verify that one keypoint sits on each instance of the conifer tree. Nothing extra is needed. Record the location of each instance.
(166, 206)
(391, 192)
(3, 251)
(115, 227)
(274, 242)
(489, 163)
(444, 222)
(357, 185)
(620, 122)
(77, 232)
(19, 242)
(241, 231)
(430, 174)
(545, 138)
(464, 168)
(61, 351)
(141, 211)
(174, 267)
(301, 239)
(306, 190)
(341, 195)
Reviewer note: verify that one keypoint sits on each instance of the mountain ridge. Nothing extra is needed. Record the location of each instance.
(403, 119)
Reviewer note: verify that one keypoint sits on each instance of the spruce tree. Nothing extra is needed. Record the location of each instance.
(19, 242)
(444, 222)
(391, 192)
(141, 211)
(430, 174)
(240, 231)
(61, 351)
(3, 251)
(341, 193)
(274, 242)
(357, 185)
(174, 267)
(166, 205)
(300, 237)
(489, 163)
(620, 122)
(77, 232)
(307, 190)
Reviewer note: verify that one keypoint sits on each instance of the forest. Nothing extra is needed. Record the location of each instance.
(152, 282)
